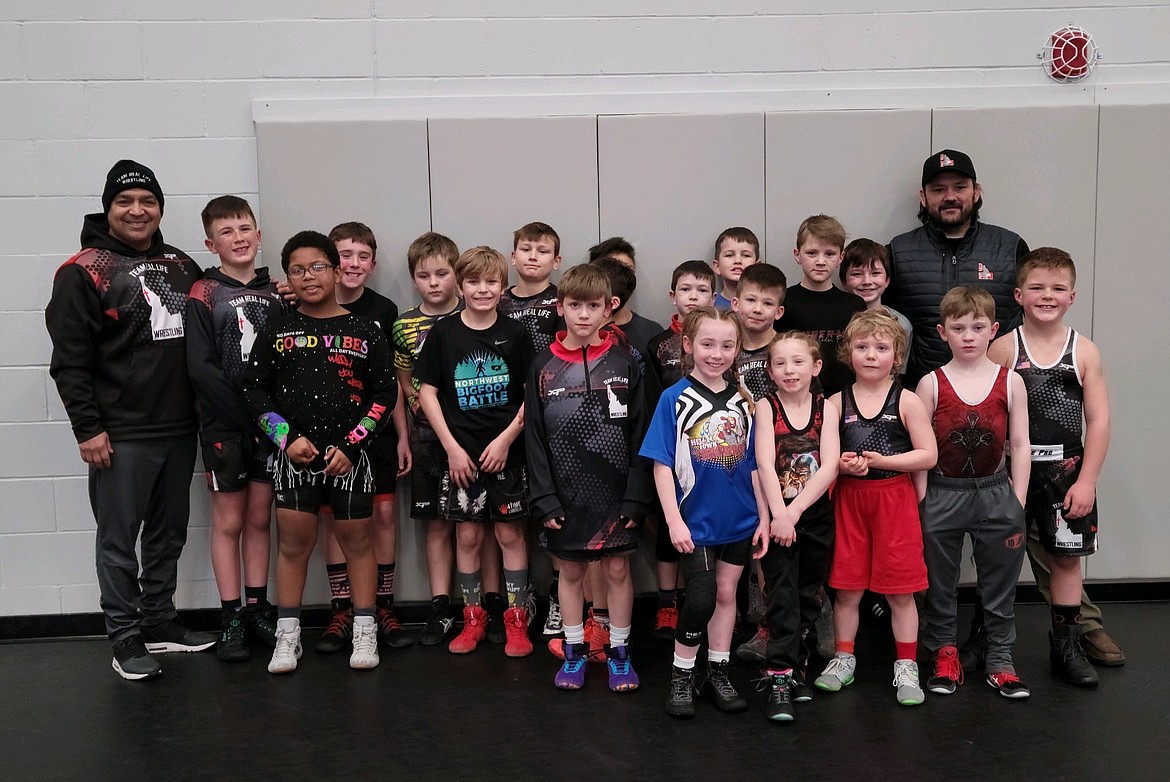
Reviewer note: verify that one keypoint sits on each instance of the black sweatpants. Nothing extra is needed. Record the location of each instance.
(147, 489)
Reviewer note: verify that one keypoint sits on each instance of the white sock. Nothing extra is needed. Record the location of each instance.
(718, 657)
(684, 663)
(575, 634)
(618, 636)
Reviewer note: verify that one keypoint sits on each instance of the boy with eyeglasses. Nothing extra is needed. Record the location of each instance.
(321, 388)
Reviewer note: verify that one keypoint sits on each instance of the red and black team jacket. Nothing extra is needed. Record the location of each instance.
(116, 319)
(584, 419)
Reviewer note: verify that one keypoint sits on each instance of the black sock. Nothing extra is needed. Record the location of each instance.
(231, 605)
(338, 581)
(257, 595)
(1065, 615)
(386, 585)
(667, 598)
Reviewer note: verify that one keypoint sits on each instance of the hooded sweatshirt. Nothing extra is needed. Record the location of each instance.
(119, 353)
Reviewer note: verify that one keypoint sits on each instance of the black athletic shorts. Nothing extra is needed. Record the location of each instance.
(1047, 488)
(592, 555)
(501, 496)
(428, 465)
(233, 462)
(703, 558)
(308, 489)
(384, 462)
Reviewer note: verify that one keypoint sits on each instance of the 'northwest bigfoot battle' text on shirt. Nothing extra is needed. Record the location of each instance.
(479, 375)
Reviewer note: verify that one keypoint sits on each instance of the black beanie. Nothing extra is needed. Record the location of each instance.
(127, 175)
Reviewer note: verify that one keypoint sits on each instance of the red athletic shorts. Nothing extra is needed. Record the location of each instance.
(879, 536)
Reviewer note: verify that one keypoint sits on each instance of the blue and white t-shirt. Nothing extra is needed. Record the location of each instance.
(706, 440)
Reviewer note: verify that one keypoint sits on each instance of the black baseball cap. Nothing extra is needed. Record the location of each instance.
(947, 160)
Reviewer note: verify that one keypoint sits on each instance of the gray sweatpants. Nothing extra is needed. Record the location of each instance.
(988, 511)
(147, 489)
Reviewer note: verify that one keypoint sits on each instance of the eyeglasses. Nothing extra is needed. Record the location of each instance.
(316, 268)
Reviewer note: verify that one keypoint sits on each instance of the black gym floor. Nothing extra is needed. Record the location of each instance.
(426, 714)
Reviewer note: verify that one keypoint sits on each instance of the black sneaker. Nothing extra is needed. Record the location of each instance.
(801, 691)
(493, 603)
(718, 686)
(779, 707)
(1068, 659)
(132, 661)
(232, 646)
(340, 630)
(390, 631)
(260, 622)
(439, 624)
(172, 636)
(681, 703)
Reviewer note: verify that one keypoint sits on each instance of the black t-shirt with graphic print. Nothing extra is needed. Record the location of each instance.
(479, 375)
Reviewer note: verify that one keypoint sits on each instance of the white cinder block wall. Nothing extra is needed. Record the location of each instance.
(170, 83)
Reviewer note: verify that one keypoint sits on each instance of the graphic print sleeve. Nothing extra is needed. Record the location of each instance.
(73, 318)
(381, 396)
(259, 380)
(428, 367)
(542, 489)
(205, 368)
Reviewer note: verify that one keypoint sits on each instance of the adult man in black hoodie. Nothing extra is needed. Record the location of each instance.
(119, 361)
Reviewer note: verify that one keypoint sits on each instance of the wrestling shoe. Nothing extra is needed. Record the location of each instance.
(260, 622)
(779, 706)
(718, 686)
(340, 629)
(439, 623)
(665, 622)
(365, 645)
(681, 703)
(948, 673)
(390, 631)
(909, 692)
(232, 646)
(554, 623)
(1008, 684)
(838, 673)
(622, 677)
(287, 651)
(517, 643)
(571, 675)
(474, 630)
(755, 650)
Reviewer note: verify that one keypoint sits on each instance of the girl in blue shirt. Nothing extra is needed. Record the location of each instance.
(700, 441)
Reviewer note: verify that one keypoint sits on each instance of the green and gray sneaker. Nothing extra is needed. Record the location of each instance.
(906, 680)
(838, 673)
